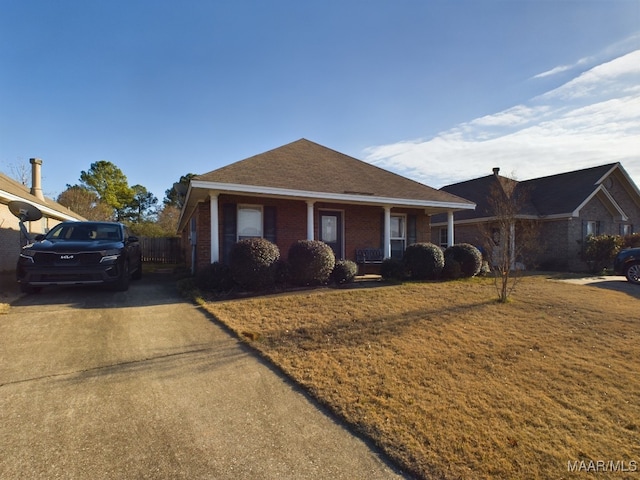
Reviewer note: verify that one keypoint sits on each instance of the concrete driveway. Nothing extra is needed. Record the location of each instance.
(140, 384)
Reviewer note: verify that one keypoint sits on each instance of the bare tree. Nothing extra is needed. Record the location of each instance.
(510, 237)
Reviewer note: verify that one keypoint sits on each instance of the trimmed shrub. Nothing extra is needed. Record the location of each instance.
(393, 269)
(344, 271)
(310, 262)
(600, 250)
(423, 261)
(253, 263)
(468, 258)
(215, 277)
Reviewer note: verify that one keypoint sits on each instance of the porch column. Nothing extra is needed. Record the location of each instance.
(512, 245)
(310, 204)
(450, 240)
(215, 242)
(387, 232)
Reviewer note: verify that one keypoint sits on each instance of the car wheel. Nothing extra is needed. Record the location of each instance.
(137, 275)
(633, 273)
(122, 284)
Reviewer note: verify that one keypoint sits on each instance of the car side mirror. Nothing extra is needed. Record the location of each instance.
(132, 239)
(39, 237)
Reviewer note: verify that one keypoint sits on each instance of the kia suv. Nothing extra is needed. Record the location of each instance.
(81, 253)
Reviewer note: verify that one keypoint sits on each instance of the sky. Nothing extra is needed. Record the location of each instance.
(439, 91)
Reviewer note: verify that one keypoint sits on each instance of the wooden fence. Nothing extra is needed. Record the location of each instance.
(161, 250)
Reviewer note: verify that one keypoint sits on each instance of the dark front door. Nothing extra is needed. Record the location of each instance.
(331, 231)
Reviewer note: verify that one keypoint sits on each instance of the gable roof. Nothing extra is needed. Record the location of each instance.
(551, 196)
(307, 170)
(11, 190)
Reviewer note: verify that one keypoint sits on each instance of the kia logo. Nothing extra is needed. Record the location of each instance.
(66, 257)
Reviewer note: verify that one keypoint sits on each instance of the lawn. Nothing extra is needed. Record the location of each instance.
(451, 384)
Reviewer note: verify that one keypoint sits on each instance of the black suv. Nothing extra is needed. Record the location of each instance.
(627, 263)
(81, 253)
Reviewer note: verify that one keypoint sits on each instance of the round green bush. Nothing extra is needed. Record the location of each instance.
(310, 262)
(344, 271)
(423, 261)
(392, 269)
(468, 257)
(253, 263)
(215, 277)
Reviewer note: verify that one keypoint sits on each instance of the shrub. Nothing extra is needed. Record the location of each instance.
(423, 261)
(600, 250)
(631, 241)
(468, 258)
(344, 271)
(310, 262)
(215, 277)
(253, 263)
(452, 269)
(392, 269)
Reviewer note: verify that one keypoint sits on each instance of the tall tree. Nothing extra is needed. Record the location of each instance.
(175, 195)
(85, 203)
(110, 184)
(142, 206)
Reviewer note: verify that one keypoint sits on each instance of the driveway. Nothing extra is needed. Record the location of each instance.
(617, 283)
(141, 384)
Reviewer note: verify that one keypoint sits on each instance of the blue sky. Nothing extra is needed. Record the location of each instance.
(439, 91)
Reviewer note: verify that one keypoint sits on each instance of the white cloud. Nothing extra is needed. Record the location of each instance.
(591, 120)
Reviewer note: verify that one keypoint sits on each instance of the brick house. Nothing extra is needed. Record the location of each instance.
(304, 190)
(52, 213)
(567, 207)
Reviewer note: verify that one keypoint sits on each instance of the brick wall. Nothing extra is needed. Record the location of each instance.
(362, 224)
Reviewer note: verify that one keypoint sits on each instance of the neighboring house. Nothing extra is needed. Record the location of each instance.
(53, 213)
(568, 207)
(303, 190)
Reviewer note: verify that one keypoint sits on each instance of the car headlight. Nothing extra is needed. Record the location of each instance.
(110, 256)
(28, 255)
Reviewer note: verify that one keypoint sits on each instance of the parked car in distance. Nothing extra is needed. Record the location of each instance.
(81, 253)
(627, 263)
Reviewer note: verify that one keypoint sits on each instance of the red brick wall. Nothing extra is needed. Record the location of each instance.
(362, 224)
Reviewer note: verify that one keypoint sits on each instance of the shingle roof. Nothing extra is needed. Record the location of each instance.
(559, 194)
(16, 189)
(307, 166)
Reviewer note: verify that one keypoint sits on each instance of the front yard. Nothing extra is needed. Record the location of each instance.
(451, 384)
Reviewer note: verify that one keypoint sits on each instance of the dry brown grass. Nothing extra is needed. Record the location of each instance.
(451, 384)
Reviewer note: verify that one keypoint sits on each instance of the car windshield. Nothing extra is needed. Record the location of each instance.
(85, 232)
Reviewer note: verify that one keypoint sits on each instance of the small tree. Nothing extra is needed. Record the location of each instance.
(511, 237)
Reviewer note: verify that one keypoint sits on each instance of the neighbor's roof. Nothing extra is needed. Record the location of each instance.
(10, 190)
(554, 195)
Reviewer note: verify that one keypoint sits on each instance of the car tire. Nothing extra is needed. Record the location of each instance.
(632, 272)
(122, 284)
(137, 275)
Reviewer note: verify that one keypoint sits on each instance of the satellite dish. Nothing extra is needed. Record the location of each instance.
(26, 213)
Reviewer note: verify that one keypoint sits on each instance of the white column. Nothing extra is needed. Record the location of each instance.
(387, 232)
(310, 204)
(215, 242)
(450, 239)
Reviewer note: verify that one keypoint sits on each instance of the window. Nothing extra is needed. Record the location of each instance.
(444, 238)
(249, 221)
(398, 235)
(626, 229)
(593, 228)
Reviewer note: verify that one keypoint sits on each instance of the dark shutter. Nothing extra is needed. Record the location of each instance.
(270, 224)
(412, 229)
(229, 228)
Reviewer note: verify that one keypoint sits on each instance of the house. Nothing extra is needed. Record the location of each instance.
(304, 190)
(567, 208)
(52, 213)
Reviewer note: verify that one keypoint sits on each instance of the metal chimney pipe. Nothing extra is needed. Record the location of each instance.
(36, 178)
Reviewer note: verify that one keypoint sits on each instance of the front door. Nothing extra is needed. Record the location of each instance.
(331, 231)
